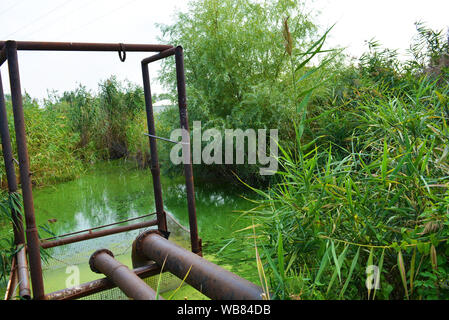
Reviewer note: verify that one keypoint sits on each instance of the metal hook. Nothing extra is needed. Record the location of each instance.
(122, 53)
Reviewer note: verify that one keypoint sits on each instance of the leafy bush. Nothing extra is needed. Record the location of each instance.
(246, 65)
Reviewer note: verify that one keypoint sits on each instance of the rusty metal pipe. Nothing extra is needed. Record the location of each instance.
(102, 261)
(17, 223)
(23, 275)
(33, 246)
(159, 56)
(96, 228)
(155, 170)
(3, 55)
(97, 234)
(95, 286)
(208, 278)
(188, 170)
(86, 46)
(12, 282)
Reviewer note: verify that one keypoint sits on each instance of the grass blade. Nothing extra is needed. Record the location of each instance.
(348, 279)
(401, 267)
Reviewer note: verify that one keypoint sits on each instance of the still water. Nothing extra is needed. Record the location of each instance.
(115, 191)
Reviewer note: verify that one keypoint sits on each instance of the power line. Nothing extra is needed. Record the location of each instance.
(85, 5)
(11, 7)
(98, 18)
(37, 19)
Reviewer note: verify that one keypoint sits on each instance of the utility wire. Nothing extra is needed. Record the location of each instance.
(11, 7)
(85, 5)
(38, 19)
(98, 18)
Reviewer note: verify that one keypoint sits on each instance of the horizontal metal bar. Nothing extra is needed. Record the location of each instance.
(86, 46)
(97, 234)
(165, 139)
(103, 261)
(92, 287)
(159, 56)
(96, 228)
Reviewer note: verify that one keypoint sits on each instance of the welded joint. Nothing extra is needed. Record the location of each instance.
(94, 255)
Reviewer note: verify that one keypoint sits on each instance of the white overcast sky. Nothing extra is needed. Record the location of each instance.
(133, 21)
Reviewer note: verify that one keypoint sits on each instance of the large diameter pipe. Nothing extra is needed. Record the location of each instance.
(102, 261)
(208, 278)
(23, 275)
(99, 285)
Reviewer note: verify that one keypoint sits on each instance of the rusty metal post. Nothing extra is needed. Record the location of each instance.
(32, 237)
(102, 261)
(188, 170)
(19, 236)
(155, 170)
(23, 275)
(208, 278)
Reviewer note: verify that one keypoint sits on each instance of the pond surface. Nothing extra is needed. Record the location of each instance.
(115, 191)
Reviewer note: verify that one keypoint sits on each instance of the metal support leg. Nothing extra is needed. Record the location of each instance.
(188, 170)
(155, 171)
(19, 236)
(33, 246)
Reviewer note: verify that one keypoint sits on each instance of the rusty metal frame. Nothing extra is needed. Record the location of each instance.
(8, 53)
(188, 170)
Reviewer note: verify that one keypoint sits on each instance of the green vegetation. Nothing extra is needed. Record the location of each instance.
(363, 171)
(366, 184)
(238, 71)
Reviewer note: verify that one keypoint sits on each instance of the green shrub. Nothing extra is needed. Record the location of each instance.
(247, 66)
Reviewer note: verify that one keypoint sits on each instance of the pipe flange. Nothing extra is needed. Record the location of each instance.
(92, 258)
(144, 234)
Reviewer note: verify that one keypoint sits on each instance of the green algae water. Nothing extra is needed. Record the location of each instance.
(115, 191)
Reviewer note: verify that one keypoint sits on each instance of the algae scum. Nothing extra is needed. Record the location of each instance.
(116, 191)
